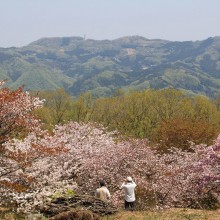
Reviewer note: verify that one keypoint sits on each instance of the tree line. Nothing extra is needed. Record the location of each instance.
(167, 117)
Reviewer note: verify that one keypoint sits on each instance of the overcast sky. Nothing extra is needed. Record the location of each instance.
(24, 21)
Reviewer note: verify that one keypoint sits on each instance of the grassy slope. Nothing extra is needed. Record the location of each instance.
(171, 214)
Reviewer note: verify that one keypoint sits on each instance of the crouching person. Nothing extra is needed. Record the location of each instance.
(102, 192)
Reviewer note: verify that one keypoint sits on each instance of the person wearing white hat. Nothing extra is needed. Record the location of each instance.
(129, 197)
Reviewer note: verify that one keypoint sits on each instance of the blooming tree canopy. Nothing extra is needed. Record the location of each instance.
(35, 164)
(17, 122)
(90, 153)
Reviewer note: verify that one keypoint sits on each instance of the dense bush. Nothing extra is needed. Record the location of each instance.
(180, 133)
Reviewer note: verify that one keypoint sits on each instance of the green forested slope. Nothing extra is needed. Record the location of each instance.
(102, 67)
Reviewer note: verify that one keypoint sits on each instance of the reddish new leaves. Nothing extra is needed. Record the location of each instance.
(17, 122)
(15, 113)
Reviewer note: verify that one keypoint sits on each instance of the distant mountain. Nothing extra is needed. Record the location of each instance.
(103, 66)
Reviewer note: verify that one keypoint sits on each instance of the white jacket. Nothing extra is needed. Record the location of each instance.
(129, 191)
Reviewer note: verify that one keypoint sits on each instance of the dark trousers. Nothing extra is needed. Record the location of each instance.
(129, 205)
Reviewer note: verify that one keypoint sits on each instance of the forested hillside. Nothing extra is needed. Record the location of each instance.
(103, 66)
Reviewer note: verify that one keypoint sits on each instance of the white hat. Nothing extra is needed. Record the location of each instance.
(129, 179)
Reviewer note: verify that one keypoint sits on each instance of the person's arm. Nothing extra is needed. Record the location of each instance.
(122, 186)
(108, 194)
(96, 193)
(134, 183)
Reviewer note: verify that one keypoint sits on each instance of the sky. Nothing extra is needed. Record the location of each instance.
(25, 21)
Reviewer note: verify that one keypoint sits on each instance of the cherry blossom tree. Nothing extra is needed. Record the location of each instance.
(90, 153)
(17, 122)
(189, 179)
(16, 119)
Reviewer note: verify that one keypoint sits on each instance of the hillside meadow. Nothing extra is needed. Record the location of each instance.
(169, 214)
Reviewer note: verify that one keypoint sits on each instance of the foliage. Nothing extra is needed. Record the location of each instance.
(101, 67)
(83, 108)
(56, 109)
(67, 193)
(179, 179)
(75, 156)
(181, 133)
(18, 126)
(168, 117)
(15, 114)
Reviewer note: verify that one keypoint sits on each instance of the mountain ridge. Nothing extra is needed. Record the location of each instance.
(103, 66)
